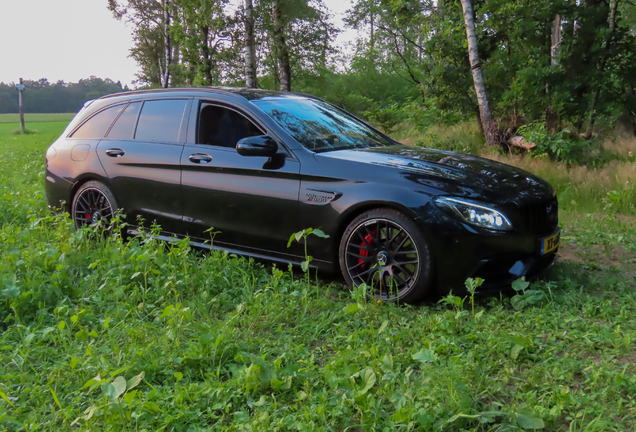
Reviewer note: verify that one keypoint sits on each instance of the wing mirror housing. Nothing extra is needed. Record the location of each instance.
(261, 145)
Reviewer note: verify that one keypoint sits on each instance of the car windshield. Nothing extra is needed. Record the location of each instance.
(319, 126)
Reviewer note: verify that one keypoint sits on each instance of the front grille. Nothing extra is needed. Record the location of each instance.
(541, 217)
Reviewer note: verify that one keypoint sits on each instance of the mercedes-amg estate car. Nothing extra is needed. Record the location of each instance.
(260, 165)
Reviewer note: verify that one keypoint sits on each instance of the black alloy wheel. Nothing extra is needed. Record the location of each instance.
(385, 250)
(93, 203)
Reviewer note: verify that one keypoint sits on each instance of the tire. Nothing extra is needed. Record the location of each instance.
(388, 252)
(93, 203)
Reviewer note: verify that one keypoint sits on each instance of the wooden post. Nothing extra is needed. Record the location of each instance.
(20, 91)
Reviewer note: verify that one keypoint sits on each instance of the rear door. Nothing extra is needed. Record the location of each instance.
(252, 201)
(141, 156)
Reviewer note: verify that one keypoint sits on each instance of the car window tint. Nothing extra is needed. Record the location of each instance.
(223, 127)
(124, 127)
(97, 126)
(319, 126)
(160, 120)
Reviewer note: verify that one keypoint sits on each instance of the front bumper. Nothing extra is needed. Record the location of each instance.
(461, 251)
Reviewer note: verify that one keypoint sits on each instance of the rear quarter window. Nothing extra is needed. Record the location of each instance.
(160, 120)
(124, 127)
(97, 125)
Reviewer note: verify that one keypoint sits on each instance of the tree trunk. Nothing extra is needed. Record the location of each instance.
(207, 60)
(371, 28)
(626, 123)
(487, 120)
(601, 68)
(250, 54)
(167, 51)
(551, 117)
(281, 48)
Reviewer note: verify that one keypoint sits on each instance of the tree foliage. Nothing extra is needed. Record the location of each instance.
(43, 97)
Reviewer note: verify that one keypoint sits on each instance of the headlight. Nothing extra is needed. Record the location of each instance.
(475, 214)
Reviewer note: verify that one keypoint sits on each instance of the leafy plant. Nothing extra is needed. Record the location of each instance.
(302, 235)
(525, 297)
(560, 147)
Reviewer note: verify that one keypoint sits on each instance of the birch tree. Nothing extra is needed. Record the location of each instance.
(250, 54)
(485, 114)
(280, 46)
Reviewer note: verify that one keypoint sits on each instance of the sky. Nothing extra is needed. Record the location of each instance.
(73, 39)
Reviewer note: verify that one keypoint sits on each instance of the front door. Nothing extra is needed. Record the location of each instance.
(250, 201)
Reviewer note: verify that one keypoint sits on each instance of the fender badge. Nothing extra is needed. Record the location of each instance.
(320, 197)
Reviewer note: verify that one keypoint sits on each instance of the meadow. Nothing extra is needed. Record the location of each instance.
(35, 118)
(102, 334)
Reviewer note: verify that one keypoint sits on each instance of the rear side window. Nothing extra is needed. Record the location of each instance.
(223, 127)
(161, 120)
(97, 126)
(124, 127)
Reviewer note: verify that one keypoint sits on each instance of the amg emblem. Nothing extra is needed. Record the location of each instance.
(318, 197)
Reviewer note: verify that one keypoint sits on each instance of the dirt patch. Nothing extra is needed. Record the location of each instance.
(601, 256)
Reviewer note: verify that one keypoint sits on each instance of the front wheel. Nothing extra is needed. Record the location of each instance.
(387, 251)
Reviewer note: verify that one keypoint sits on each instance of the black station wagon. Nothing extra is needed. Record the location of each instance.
(259, 165)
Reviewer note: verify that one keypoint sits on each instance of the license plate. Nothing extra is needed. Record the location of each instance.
(549, 244)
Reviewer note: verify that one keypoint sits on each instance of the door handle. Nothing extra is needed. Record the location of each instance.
(115, 152)
(200, 158)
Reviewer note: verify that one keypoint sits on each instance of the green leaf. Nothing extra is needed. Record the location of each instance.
(320, 233)
(178, 376)
(120, 386)
(424, 355)
(130, 396)
(514, 353)
(368, 380)
(299, 235)
(518, 302)
(533, 296)
(4, 396)
(134, 381)
(206, 339)
(383, 326)
(387, 362)
(291, 239)
(520, 284)
(305, 266)
(527, 419)
(352, 308)
(108, 389)
(57, 401)
(74, 362)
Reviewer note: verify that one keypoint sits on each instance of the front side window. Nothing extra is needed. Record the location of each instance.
(160, 120)
(319, 126)
(97, 126)
(124, 127)
(223, 127)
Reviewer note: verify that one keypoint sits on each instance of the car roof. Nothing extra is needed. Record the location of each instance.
(240, 92)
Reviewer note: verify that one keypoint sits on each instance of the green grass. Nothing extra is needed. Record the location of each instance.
(101, 334)
(36, 118)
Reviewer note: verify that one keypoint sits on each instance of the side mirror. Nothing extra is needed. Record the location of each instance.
(261, 145)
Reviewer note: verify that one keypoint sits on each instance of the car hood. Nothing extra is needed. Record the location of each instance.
(470, 171)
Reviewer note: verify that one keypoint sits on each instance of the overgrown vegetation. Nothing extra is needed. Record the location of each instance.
(100, 334)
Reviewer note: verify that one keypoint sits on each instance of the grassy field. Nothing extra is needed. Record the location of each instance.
(100, 334)
(35, 118)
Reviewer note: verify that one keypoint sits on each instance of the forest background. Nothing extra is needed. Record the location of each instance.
(561, 70)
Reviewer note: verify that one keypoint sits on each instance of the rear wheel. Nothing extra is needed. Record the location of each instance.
(93, 203)
(387, 251)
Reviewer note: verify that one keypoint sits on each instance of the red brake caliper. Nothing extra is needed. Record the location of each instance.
(365, 252)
